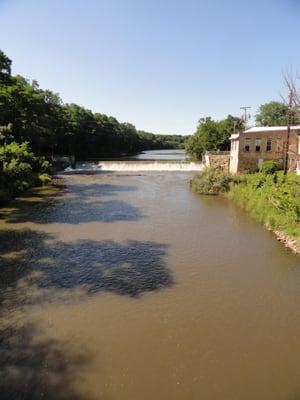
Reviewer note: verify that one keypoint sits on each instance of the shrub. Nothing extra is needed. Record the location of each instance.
(269, 167)
(20, 169)
(211, 182)
(43, 179)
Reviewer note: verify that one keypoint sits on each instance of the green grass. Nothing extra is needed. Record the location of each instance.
(272, 199)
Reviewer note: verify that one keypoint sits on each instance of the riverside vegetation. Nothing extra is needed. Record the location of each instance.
(35, 124)
(267, 195)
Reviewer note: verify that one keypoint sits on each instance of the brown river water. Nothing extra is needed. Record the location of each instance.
(130, 287)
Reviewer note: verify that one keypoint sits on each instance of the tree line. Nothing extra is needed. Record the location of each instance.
(35, 124)
(39, 117)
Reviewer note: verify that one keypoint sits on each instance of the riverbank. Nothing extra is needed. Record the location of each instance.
(269, 197)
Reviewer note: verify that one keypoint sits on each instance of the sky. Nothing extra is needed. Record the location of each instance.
(160, 64)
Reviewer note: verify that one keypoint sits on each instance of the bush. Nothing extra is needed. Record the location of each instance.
(20, 169)
(211, 182)
(43, 179)
(269, 167)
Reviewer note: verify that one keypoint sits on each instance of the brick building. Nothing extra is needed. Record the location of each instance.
(249, 149)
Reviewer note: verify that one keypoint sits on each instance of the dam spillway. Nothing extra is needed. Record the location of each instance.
(135, 166)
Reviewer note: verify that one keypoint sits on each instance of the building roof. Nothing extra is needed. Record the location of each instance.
(234, 136)
(270, 129)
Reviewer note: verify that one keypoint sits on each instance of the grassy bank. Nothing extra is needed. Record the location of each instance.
(268, 196)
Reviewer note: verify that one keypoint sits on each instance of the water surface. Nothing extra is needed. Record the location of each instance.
(129, 286)
(168, 155)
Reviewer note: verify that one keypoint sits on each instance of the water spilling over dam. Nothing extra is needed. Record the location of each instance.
(135, 166)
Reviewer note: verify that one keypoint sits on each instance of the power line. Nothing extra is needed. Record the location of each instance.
(246, 115)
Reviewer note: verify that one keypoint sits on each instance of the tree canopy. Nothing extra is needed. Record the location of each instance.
(275, 113)
(39, 117)
(5, 66)
(35, 123)
(213, 135)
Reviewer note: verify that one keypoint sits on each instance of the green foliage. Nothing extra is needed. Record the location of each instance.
(20, 169)
(151, 141)
(51, 127)
(5, 66)
(269, 167)
(212, 135)
(44, 178)
(275, 113)
(6, 135)
(211, 181)
(31, 117)
(273, 199)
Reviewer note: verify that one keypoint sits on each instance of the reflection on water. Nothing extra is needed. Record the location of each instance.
(176, 155)
(129, 287)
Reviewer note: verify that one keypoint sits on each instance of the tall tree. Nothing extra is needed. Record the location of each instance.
(213, 135)
(275, 113)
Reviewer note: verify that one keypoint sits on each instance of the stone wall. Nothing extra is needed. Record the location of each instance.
(218, 161)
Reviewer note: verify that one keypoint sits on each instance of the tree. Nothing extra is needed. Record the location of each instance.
(5, 66)
(275, 113)
(40, 118)
(212, 135)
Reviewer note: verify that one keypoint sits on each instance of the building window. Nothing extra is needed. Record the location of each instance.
(247, 145)
(257, 145)
(269, 144)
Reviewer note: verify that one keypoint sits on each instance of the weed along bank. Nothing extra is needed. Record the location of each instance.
(249, 149)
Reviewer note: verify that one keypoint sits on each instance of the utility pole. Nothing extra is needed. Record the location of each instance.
(234, 126)
(245, 113)
(286, 161)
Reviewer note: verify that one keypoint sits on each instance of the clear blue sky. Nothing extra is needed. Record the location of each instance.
(160, 64)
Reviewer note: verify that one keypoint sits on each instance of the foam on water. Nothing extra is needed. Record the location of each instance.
(135, 166)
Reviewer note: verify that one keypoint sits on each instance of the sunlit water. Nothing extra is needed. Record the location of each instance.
(128, 286)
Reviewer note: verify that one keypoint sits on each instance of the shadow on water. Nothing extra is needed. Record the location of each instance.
(128, 268)
(34, 369)
(81, 204)
(103, 189)
(36, 268)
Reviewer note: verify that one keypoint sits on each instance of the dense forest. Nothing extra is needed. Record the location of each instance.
(35, 124)
(39, 117)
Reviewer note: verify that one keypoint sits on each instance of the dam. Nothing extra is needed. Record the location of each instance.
(135, 166)
(147, 161)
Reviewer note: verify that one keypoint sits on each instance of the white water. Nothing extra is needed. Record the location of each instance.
(150, 166)
(135, 166)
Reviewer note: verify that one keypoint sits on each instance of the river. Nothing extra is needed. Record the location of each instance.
(120, 286)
